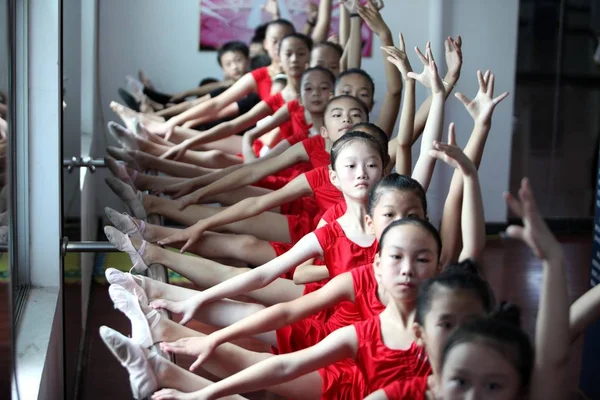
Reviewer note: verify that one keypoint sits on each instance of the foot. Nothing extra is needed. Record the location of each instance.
(124, 136)
(139, 315)
(123, 243)
(134, 284)
(131, 197)
(142, 378)
(125, 223)
(119, 170)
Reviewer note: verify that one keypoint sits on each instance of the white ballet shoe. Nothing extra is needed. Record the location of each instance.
(122, 242)
(129, 282)
(129, 305)
(130, 196)
(126, 223)
(124, 136)
(142, 378)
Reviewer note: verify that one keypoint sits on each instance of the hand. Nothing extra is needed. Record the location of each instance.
(177, 97)
(372, 17)
(189, 235)
(398, 57)
(454, 56)
(271, 7)
(186, 307)
(200, 347)
(180, 189)
(429, 77)
(312, 12)
(177, 151)
(482, 106)
(247, 148)
(190, 198)
(334, 39)
(172, 394)
(163, 129)
(190, 124)
(351, 5)
(452, 155)
(534, 232)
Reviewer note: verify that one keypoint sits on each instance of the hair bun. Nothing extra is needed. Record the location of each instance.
(508, 312)
(468, 266)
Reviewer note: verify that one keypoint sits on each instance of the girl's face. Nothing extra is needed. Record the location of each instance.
(316, 91)
(273, 36)
(358, 86)
(357, 169)
(409, 257)
(449, 309)
(234, 64)
(340, 117)
(393, 205)
(293, 56)
(476, 371)
(326, 57)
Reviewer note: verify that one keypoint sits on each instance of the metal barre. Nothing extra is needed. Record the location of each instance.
(84, 162)
(87, 247)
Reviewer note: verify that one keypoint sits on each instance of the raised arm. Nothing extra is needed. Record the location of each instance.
(472, 219)
(354, 39)
(454, 60)
(243, 209)
(401, 146)
(552, 325)
(584, 311)
(339, 345)
(481, 109)
(433, 129)
(282, 115)
(321, 29)
(248, 174)
(270, 319)
(222, 130)
(257, 278)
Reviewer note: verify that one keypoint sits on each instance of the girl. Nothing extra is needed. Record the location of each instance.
(294, 54)
(258, 80)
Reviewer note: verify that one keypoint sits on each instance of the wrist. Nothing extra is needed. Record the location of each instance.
(452, 77)
(385, 37)
(354, 15)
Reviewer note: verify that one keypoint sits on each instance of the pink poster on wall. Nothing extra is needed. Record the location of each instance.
(225, 20)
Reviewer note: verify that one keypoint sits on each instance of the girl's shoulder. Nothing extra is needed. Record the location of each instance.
(413, 388)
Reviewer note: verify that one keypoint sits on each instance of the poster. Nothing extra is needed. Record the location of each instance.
(225, 20)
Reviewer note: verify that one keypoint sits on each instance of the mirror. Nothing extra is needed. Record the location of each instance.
(6, 288)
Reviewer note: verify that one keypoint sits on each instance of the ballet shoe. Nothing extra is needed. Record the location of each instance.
(125, 223)
(122, 242)
(129, 282)
(131, 197)
(124, 136)
(135, 359)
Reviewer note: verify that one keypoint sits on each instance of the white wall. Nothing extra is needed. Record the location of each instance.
(163, 40)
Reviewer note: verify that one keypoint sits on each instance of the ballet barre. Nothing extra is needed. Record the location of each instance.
(84, 162)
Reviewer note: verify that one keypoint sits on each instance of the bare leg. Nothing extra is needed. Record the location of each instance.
(206, 273)
(267, 226)
(157, 184)
(169, 167)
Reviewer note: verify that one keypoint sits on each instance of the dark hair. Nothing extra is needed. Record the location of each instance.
(320, 69)
(399, 182)
(282, 22)
(357, 71)
(336, 47)
(300, 36)
(206, 81)
(345, 96)
(259, 34)
(233, 46)
(259, 61)
(350, 137)
(458, 276)
(416, 222)
(501, 335)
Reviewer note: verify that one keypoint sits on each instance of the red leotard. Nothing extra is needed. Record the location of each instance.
(340, 253)
(263, 82)
(317, 154)
(275, 102)
(379, 364)
(334, 212)
(413, 389)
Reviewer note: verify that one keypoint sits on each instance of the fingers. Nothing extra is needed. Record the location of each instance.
(462, 98)
(513, 204)
(187, 245)
(515, 232)
(458, 42)
(414, 76)
(421, 56)
(196, 364)
(500, 98)
(490, 86)
(482, 86)
(447, 45)
(401, 44)
(178, 237)
(451, 135)
(486, 76)
(161, 304)
(186, 318)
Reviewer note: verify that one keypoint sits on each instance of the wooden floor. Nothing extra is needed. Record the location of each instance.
(512, 271)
